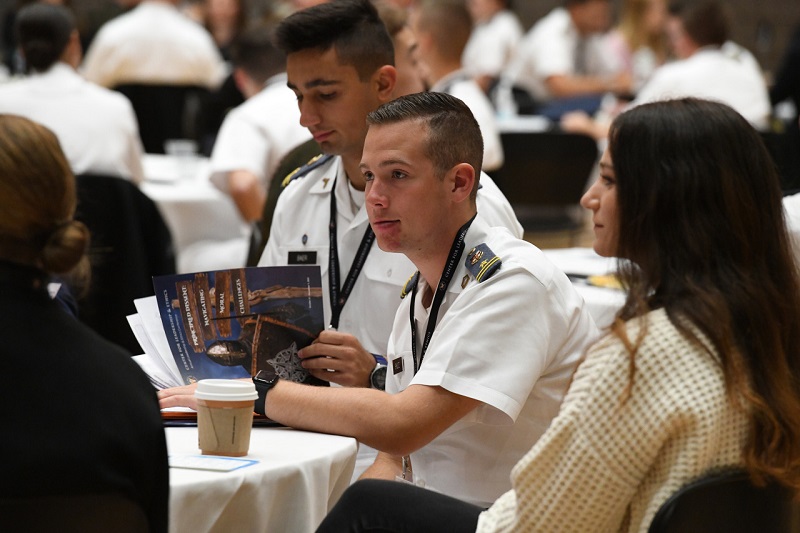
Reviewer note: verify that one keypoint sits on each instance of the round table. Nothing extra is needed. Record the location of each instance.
(299, 476)
(192, 207)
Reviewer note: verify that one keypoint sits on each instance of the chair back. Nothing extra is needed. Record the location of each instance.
(166, 112)
(88, 513)
(130, 243)
(727, 501)
(544, 176)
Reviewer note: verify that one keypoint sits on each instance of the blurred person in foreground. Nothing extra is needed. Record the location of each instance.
(699, 371)
(96, 127)
(96, 428)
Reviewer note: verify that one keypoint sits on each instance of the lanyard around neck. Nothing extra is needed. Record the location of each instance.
(444, 281)
(339, 295)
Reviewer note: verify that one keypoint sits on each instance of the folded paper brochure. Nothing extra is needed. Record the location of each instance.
(229, 324)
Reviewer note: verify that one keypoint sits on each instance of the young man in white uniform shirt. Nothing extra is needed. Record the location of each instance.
(96, 128)
(336, 89)
(439, 54)
(509, 328)
(509, 332)
(154, 43)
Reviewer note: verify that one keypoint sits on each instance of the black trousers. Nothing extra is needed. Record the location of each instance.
(390, 506)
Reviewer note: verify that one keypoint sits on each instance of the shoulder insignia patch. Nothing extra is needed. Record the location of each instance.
(410, 284)
(299, 172)
(482, 263)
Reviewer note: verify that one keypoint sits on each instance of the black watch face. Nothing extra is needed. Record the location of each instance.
(378, 378)
(264, 376)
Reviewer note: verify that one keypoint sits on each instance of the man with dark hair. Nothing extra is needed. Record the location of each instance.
(339, 65)
(97, 128)
(320, 217)
(482, 372)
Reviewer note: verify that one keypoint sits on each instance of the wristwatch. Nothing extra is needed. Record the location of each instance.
(377, 379)
(263, 381)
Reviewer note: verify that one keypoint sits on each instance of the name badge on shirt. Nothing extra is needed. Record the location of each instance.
(303, 258)
(397, 365)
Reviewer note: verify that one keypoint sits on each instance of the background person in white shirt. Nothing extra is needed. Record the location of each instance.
(709, 67)
(562, 56)
(153, 43)
(496, 32)
(256, 135)
(96, 127)
(442, 29)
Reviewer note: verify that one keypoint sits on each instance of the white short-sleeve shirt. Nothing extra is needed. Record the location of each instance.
(257, 134)
(791, 207)
(153, 43)
(712, 74)
(511, 341)
(549, 49)
(300, 225)
(96, 127)
(492, 44)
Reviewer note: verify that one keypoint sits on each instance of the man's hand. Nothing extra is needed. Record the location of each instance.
(338, 357)
(178, 397)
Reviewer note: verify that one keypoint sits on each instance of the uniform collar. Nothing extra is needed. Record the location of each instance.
(59, 74)
(476, 234)
(325, 184)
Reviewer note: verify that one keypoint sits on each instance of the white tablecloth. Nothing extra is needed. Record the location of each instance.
(300, 475)
(192, 207)
(602, 303)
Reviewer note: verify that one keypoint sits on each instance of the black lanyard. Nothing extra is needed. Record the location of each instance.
(447, 275)
(339, 299)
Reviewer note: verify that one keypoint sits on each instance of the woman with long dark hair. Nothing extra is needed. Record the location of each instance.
(699, 372)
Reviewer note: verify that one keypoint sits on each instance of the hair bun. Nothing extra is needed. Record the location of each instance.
(65, 246)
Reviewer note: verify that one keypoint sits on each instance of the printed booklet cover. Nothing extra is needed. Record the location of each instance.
(232, 323)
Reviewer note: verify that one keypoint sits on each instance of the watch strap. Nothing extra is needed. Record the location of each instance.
(262, 388)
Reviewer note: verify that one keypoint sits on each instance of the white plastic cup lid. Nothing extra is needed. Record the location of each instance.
(230, 390)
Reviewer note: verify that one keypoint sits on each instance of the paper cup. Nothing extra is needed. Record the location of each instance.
(224, 416)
